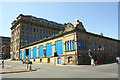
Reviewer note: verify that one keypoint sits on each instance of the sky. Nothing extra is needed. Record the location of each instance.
(97, 17)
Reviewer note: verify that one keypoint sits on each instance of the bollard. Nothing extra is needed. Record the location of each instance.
(27, 65)
(2, 64)
(29, 68)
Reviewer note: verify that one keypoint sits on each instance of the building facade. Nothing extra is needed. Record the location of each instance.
(72, 47)
(6, 50)
(27, 29)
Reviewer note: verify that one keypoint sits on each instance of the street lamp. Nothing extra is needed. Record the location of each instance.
(2, 60)
(2, 55)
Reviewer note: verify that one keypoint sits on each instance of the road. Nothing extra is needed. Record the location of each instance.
(51, 71)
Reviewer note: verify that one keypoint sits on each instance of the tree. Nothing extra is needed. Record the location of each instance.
(101, 34)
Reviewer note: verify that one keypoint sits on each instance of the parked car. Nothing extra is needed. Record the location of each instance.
(26, 61)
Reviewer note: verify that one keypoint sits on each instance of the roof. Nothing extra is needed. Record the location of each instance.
(5, 37)
(60, 35)
(103, 36)
(42, 20)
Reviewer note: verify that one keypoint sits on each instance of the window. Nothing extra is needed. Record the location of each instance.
(117, 49)
(22, 40)
(70, 45)
(102, 46)
(99, 47)
(46, 32)
(73, 42)
(34, 35)
(26, 34)
(81, 44)
(43, 31)
(22, 27)
(26, 41)
(37, 36)
(30, 29)
(94, 45)
(37, 30)
(30, 34)
(31, 41)
(22, 34)
(110, 47)
(26, 28)
(34, 30)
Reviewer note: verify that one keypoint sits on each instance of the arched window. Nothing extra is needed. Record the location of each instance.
(94, 45)
(110, 47)
(102, 46)
(73, 46)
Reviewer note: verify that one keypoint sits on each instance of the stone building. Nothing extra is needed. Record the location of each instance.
(27, 29)
(5, 51)
(72, 47)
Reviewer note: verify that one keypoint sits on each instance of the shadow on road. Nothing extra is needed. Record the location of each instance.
(18, 71)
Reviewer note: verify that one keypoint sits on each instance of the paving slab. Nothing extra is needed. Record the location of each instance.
(14, 69)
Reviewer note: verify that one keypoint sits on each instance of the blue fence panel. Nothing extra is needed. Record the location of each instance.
(49, 49)
(59, 47)
(24, 53)
(20, 54)
(34, 51)
(40, 51)
(31, 52)
(29, 56)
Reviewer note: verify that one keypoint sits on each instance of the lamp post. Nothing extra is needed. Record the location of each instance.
(2, 55)
(2, 60)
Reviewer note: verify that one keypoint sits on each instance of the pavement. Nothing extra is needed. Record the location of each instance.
(14, 69)
(18, 69)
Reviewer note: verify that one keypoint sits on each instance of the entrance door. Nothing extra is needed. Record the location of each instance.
(59, 60)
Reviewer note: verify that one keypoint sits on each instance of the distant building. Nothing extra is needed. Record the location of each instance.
(28, 29)
(5, 41)
(72, 47)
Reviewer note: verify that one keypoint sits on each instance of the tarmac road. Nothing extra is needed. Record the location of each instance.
(51, 71)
